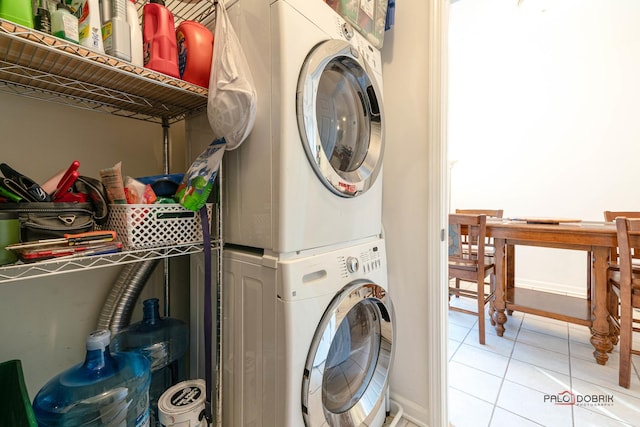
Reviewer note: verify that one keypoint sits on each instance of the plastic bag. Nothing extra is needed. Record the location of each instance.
(231, 107)
(198, 181)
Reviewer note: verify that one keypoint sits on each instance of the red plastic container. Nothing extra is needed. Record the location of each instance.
(159, 39)
(195, 52)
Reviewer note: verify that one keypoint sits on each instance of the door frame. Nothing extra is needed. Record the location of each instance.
(437, 217)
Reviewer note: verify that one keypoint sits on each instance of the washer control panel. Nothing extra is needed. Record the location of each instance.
(366, 261)
(352, 264)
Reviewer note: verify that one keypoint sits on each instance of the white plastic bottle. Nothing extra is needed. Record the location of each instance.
(64, 24)
(116, 33)
(136, 33)
(105, 10)
(89, 25)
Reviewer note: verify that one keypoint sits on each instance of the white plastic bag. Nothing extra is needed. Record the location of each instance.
(231, 107)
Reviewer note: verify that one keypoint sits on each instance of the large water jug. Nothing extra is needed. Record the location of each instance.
(164, 341)
(105, 390)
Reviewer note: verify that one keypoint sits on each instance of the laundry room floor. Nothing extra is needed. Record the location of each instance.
(401, 423)
(511, 380)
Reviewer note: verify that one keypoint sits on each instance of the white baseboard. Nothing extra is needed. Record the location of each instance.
(412, 411)
(554, 288)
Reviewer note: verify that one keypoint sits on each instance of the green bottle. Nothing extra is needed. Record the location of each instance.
(9, 234)
(18, 11)
(64, 24)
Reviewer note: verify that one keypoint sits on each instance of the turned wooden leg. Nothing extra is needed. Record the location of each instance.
(600, 330)
(602, 344)
(492, 310)
(510, 269)
(498, 316)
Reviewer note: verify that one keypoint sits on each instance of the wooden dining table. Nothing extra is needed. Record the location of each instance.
(595, 238)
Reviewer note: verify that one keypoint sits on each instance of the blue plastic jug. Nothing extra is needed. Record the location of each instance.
(105, 390)
(164, 341)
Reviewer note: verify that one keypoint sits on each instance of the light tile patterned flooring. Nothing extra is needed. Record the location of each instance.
(505, 381)
(400, 423)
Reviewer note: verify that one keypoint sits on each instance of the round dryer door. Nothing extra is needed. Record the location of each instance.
(340, 118)
(347, 368)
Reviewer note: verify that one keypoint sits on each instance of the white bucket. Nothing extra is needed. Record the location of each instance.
(183, 405)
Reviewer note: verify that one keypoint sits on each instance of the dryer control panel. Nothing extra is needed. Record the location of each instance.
(367, 51)
(370, 54)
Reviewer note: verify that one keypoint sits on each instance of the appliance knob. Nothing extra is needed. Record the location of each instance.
(352, 264)
(347, 31)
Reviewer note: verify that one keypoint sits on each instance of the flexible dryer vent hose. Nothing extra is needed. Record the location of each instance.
(117, 309)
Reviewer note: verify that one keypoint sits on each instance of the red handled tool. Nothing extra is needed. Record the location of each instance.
(66, 182)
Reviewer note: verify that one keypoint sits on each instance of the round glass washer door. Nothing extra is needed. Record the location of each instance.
(347, 367)
(340, 118)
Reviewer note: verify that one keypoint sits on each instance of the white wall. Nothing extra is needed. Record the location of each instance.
(543, 117)
(413, 205)
(45, 321)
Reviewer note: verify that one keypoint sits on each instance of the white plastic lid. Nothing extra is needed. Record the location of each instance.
(98, 340)
(183, 402)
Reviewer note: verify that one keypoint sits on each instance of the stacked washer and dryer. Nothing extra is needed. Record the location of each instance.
(308, 323)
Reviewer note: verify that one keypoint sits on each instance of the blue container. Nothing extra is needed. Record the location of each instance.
(164, 341)
(105, 390)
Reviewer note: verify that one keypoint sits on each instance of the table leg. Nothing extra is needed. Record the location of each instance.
(600, 327)
(498, 315)
(510, 268)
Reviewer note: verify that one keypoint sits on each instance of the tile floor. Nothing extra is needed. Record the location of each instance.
(506, 381)
(400, 423)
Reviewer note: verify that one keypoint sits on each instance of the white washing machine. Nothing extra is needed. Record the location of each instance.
(310, 173)
(307, 341)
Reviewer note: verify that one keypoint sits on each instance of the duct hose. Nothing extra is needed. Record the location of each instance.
(117, 309)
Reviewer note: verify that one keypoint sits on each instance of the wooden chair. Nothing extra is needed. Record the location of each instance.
(610, 216)
(470, 265)
(624, 288)
(490, 213)
(489, 248)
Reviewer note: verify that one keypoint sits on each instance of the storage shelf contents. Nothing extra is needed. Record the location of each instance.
(142, 226)
(42, 66)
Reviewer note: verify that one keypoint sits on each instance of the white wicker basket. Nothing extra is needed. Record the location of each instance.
(141, 226)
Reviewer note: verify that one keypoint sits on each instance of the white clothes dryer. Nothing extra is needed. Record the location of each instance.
(310, 173)
(307, 341)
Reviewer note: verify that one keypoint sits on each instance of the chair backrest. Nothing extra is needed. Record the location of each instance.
(468, 249)
(490, 213)
(493, 213)
(610, 216)
(625, 228)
